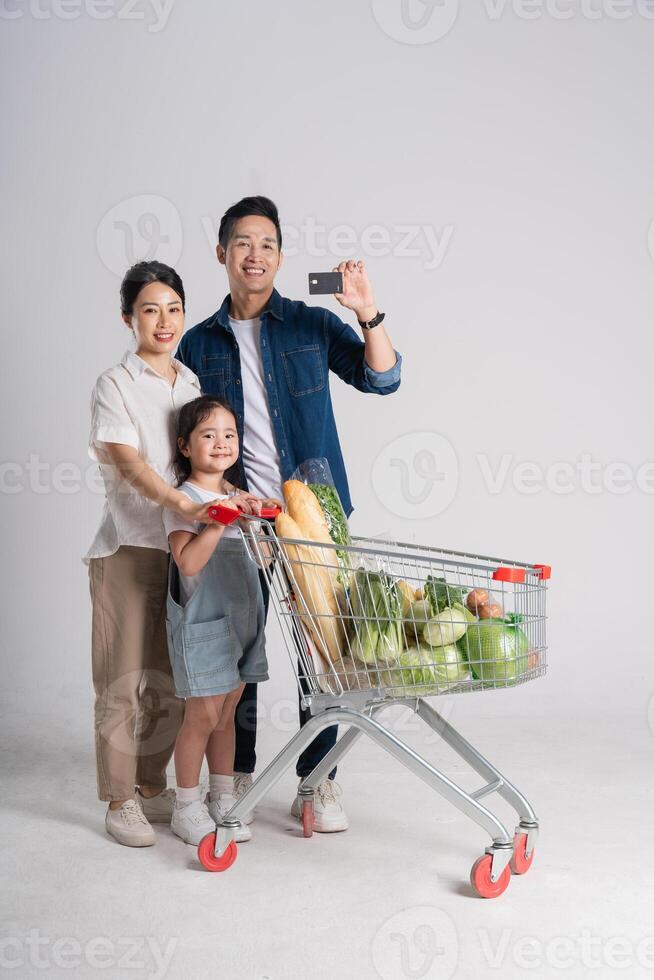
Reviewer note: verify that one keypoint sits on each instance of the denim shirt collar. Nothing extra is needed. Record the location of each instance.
(274, 308)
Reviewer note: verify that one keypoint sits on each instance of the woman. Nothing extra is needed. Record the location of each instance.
(133, 408)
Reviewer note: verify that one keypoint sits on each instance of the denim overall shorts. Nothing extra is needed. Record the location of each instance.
(217, 640)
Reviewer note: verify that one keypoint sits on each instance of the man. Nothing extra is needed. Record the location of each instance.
(271, 357)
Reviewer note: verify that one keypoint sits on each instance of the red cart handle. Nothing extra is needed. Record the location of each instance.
(227, 515)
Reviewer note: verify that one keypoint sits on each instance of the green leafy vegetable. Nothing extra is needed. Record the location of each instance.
(425, 669)
(376, 606)
(496, 648)
(441, 595)
(337, 526)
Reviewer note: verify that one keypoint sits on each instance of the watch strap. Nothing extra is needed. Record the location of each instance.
(371, 324)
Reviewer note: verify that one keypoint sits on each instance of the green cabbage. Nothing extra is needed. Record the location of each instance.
(496, 649)
(422, 669)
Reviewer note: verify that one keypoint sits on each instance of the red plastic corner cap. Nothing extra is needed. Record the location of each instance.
(544, 570)
(509, 575)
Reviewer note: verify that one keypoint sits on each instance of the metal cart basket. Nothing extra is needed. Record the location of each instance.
(380, 623)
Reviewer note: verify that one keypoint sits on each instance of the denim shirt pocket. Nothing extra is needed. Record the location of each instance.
(304, 370)
(215, 373)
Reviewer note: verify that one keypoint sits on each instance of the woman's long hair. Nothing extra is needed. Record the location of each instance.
(190, 416)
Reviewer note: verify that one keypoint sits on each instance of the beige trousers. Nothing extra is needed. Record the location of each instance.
(137, 715)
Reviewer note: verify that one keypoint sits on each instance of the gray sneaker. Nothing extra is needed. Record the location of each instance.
(159, 808)
(128, 825)
(242, 783)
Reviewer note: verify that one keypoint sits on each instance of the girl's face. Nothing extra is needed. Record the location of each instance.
(213, 445)
(157, 319)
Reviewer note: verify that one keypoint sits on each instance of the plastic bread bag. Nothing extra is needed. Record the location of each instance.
(316, 474)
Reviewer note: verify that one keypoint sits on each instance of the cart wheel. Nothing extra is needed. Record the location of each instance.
(208, 858)
(520, 863)
(307, 818)
(480, 878)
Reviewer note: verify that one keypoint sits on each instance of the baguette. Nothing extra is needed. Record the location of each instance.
(314, 581)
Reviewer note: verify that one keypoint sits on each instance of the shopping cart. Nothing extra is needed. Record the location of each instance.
(354, 621)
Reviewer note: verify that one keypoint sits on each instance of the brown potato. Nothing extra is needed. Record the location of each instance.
(490, 610)
(476, 598)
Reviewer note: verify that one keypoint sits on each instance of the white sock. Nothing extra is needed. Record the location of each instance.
(187, 794)
(220, 784)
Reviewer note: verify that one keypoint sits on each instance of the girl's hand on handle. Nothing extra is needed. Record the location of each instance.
(272, 502)
(247, 502)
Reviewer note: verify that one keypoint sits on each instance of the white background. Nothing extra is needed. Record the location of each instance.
(521, 139)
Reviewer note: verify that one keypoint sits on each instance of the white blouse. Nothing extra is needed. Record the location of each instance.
(134, 405)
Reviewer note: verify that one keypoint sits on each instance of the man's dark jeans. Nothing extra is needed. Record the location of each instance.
(246, 726)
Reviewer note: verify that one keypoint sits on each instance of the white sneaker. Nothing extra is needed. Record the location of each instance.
(242, 783)
(128, 826)
(159, 808)
(328, 814)
(219, 808)
(192, 822)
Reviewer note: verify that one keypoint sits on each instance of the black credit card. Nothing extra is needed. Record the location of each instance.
(321, 283)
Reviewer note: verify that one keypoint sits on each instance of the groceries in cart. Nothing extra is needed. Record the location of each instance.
(370, 623)
(393, 620)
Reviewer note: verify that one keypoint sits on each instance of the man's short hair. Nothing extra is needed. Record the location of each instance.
(260, 205)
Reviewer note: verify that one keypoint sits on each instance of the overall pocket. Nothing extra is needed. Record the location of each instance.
(209, 655)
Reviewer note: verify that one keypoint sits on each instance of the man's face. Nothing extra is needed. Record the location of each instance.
(252, 256)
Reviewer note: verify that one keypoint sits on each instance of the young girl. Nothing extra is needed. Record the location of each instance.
(215, 619)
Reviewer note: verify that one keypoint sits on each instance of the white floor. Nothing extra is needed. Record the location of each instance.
(389, 898)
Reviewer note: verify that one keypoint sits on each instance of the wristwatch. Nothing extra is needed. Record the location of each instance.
(376, 320)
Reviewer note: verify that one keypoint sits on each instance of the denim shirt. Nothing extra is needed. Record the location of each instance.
(300, 344)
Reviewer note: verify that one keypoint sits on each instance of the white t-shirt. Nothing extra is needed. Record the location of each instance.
(173, 521)
(260, 455)
(134, 405)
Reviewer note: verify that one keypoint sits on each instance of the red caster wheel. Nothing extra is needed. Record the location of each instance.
(307, 818)
(480, 878)
(208, 858)
(520, 863)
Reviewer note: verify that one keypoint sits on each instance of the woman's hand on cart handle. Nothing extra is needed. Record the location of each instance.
(202, 512)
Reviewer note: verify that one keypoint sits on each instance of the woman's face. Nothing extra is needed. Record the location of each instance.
(157, 319)
(213, 445)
